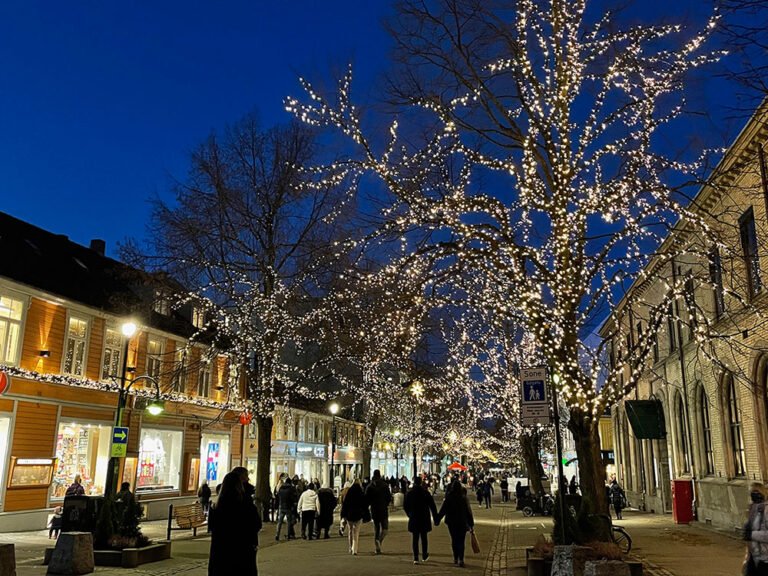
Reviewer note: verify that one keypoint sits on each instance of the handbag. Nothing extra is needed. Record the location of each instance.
(474, 541)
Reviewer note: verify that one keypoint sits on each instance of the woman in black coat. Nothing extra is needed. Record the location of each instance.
(420, 508)
(353, 508)
(327, 506)
(235, 524)
(458, 517)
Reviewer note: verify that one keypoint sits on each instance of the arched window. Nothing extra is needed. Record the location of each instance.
(706, 432)
(682, 435)
(735, 438)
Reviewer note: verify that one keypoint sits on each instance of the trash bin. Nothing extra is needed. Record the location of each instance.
(682, 501)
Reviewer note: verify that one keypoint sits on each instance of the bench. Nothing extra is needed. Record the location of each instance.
(187, 517)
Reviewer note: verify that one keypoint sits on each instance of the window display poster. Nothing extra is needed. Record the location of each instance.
(212, 462)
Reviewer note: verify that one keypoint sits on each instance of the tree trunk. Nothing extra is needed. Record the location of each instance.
(264, 439)
(530, 446)
(368, 448)
(584, 428)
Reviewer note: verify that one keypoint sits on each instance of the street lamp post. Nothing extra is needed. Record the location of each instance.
(397, 454)
(155, 407)
(417, 390)
(333, 409)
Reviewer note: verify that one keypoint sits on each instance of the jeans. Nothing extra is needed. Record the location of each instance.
(286, 515)
(380, 528)
(487, 498)
(354, 535)
(307, 520)
(458, 539)
(424, 545)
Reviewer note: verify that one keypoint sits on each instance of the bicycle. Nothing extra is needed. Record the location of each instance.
(619, 535)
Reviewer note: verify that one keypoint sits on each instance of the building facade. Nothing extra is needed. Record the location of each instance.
(707, 365)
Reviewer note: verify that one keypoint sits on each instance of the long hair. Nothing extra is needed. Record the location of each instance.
(232, 493)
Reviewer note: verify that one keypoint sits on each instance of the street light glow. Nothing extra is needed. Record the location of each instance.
(129, 329)
(334, 408)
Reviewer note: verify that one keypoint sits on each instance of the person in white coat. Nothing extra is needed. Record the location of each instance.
(308, 506)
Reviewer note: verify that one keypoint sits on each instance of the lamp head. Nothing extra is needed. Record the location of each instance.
(129, 329)
(334, 408)
(156, 407)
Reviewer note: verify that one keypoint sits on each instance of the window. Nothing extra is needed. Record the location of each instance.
(81, 448)
(655, 337)
(204, 380)
(310, 430)
(198, 317)
(11, 311)
(690, 304)
(748, 236)
(706, 432)
(671, 329)
(734, 424)
(177, 378)
(159, 460)
(716, 279)
(162, 303)
(154, 357)
(113, 344)
(76, 344)
(682, 434)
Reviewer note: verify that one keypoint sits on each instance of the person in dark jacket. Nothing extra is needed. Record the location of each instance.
(235, 525)
(618, 498)
(286, 502)
(327, 506)
(249, 488)
(458, 517)
(420, 508)
(504, 485)
(353, 508)
(379, 497)
(76, 488)
(404, 485)
(487, 492)
(205, 496)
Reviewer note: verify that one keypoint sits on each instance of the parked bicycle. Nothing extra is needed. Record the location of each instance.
(619, 535)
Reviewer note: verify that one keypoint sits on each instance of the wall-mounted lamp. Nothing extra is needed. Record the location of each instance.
(45, 353)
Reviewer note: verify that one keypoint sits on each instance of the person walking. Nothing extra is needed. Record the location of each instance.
(379, 497)
(573, 487)
(353, 508)
(756, 533)
(204, 493)
(342, 520)
(479, 493)
(76, 488)
(618, 498)
(286, 501)
(235, 524)
(504, 486)
(487, 493)
(458, 517)
(327, 506)
(420, 508)
(308, 506)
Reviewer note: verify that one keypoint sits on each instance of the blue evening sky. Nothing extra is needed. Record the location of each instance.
(101, 102)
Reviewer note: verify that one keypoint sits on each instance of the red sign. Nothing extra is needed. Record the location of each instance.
(4, 382)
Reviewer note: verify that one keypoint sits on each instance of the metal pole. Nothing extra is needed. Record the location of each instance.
(333, 450)
(113, 467)
(559, 455)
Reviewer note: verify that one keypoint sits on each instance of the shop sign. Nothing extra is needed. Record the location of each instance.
(119, 441)
(4, 382)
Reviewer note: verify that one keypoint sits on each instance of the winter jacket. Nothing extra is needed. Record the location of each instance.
(379, 497)
(456, 510)
(420, 508)
(308, 501)
(327, 506)
(758, 535)
(286, 497)
(354, 504)
(234, 538)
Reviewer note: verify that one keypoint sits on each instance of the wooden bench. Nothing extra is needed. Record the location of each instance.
(187, 517)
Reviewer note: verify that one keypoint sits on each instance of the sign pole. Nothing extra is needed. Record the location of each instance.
(559, 456)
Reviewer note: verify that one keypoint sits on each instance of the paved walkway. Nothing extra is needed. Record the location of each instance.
(665, 548)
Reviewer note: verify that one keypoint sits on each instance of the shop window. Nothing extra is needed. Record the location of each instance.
(706, 432)
(214, 453)
(154, 357)
(75, 346)
(204, 380)
(159, 460)
(81, 449)
(111, 366)
(11, 311)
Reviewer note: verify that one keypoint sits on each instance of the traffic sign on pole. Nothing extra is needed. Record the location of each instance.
(534, 399)
(119, 441)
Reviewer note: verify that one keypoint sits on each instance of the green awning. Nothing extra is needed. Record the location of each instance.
(646, 418)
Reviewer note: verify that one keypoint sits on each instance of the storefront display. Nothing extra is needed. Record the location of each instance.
(31, 472)
(159, 460)
(214, 454)
(83, 449)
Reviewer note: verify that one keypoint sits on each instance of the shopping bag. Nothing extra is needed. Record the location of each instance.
(475, 542)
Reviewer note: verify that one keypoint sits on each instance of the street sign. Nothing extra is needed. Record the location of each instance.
(534, 400)
(119, 442)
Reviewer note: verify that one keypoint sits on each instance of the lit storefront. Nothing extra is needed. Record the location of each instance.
(214, 454)
(81, 448)
(159, 465)
(299, 458)
(5, 425)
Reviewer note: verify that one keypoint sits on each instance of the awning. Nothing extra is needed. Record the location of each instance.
(646, 418)
(456, 466)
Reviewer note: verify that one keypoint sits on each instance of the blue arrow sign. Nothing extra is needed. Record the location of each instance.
(119, 435)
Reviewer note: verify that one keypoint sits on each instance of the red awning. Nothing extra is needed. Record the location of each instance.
(456, 466)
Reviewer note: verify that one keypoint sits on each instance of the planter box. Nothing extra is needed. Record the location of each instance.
(127, 557)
